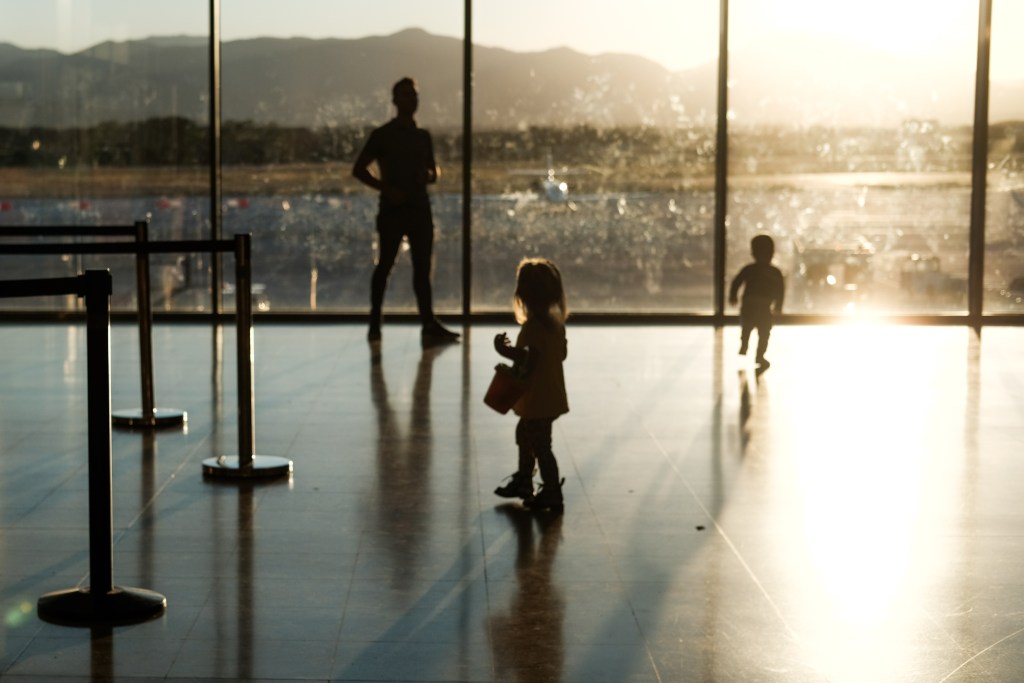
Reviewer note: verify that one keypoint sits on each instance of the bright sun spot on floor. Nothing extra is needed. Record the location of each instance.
(863, 459)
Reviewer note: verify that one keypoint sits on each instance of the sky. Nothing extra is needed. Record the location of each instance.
(675, 33)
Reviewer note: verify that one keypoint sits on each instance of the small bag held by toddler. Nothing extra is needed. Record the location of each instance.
(507, 387)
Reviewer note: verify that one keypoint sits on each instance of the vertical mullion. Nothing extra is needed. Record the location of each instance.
(721, 161)
(467, 159)
(215, 155)
(979, 166)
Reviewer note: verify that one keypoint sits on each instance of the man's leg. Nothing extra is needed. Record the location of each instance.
(389, 238)
(421, 245)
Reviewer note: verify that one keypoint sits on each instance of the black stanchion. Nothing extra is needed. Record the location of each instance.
(246, 464)
(102, 603)
(148, 415)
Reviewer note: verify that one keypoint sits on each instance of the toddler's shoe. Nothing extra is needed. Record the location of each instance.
(547, 498)
(518, 486)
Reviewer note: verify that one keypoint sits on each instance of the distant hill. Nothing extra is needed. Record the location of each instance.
(314, 83)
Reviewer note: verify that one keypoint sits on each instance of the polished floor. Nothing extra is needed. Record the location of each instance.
(855, 513)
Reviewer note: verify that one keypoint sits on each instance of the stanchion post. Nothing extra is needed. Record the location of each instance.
(101, 602)
(145, 317)
(98, 288)
(149, 415)
(246, 378)
(246, 464)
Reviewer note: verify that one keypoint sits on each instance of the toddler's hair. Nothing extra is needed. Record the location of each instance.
(539, 293)
(762, 247)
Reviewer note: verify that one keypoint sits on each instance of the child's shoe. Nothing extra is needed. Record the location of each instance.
(518, 486)
(547, 498)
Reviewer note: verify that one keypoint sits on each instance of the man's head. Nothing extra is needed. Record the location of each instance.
(405, 96)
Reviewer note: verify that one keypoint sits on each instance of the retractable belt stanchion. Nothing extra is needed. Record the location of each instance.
(149, 415)
(246, 464)
(102, 603)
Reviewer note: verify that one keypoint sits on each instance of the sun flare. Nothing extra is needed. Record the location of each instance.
(899, 26)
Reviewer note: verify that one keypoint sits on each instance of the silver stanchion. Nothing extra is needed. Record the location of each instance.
(148, 416)
(102, 602)
(245, 465)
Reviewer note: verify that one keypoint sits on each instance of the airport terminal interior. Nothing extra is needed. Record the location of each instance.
(851, 514)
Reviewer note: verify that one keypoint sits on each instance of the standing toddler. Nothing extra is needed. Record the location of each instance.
(540, 308)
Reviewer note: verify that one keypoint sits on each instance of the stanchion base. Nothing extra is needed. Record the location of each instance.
(161, 417)
(121, 606)
(262, 466)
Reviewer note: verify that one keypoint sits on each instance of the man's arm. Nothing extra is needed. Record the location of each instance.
(361, 168)
(433, 170)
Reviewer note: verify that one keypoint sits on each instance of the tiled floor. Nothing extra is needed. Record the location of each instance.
(854, 514)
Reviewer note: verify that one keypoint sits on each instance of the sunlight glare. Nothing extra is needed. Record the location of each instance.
(865, 462)
(897, 26)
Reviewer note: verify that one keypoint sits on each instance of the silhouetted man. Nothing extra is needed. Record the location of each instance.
(405, 160)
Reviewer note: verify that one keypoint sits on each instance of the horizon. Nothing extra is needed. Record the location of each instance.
(675, 37)
(769, 85)
(202, 37)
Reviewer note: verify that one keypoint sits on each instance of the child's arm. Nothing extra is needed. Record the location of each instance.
(734, 287)
(504, 348)
(781, 294)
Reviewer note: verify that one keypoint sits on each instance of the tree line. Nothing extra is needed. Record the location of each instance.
(178, 141)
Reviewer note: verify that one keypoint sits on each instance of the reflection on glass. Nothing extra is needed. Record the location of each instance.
(1004, 219)
(296, 112)
(599, 159)
(850, 141)
(104, 121)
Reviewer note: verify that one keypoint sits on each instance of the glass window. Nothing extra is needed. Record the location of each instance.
(303, 85)
(1004, 220)
(849, 144)
(593, 132)
(104, 121)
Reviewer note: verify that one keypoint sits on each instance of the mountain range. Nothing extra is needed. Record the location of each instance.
(302, 82)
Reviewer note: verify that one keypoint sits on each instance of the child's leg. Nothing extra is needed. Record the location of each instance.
(540, 437)
(764, 331)
(550, 495)
(527, 453)
(520, 484)
(745, 329)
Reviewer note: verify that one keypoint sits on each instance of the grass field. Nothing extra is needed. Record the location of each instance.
(290, 179)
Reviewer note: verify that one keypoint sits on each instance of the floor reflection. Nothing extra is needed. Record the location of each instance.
(852, 515)
(744, 410)
(402, 509)
(527, 636)
(101, 653)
